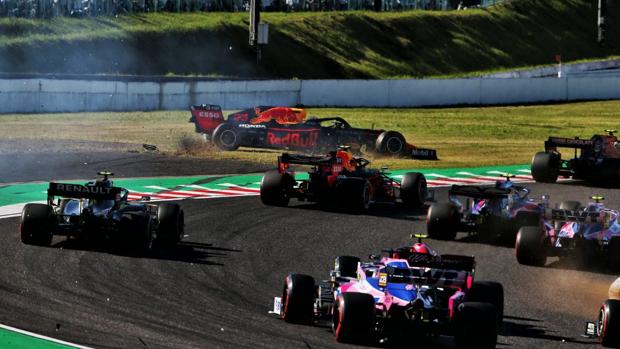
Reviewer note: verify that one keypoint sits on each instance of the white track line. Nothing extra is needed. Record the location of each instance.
(39, 336)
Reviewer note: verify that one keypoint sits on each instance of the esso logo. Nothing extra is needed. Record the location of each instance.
(209, 114)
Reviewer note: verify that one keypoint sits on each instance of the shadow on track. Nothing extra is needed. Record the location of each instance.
(184, 251)
(515, 326)
(387, 210)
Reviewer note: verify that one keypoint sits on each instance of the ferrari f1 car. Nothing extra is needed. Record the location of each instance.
(339, 179)
(99, 211)
(572, 230)
(489, 211)
(598, 159)
(607, 326)
(287, 128)
(408, 292)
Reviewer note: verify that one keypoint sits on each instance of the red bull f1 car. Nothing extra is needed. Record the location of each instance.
(583, 233)
(489, 211)
(288, 128)
(404, 293)
(339, 179)
(596, 159)
(100, 212)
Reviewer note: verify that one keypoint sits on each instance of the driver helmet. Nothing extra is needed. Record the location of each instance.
(422, 248)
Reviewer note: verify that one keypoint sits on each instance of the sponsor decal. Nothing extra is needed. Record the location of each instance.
(251, 126)
(383, 279)
(574, 216)
(570, 141)
(210, 114)
(76, 188)
(296, 138)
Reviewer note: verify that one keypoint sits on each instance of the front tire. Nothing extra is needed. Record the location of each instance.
(545, 167)
(298, 296)
(529, 246)
(36, 224)
(442, 221)
(275, 188)
(413, 189)
(355, 194)
(489, 292)
(391, 143)
(354, 317)
(608, 325)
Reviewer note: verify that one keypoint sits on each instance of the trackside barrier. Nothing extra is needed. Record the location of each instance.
(45, 95)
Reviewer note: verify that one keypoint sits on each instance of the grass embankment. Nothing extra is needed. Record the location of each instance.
(312, 45)
(464, 137)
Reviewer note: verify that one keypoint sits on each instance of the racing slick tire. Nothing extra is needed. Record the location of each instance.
(298, 295)
(346, 266)
(275, 188)
(608, 324)
(442, 221)
(171, 220)
(475, 325)
(354, 317)
(391, 143)
(355, 194)
(545, 167)
(413, 189)
(488, 292)
(226, 137)
(36, 224)
(529, 246)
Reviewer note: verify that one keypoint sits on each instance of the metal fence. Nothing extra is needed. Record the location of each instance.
(84, 8)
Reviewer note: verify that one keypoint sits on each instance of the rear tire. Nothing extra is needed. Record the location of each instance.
(298, 295)
(354, 317)
(413, 189)
(608, 325)
(275, 188)
(529, 246)
(545, 167)
(442, 221)
(226, 137)
(391, 143)
(475, 326)
(36, 224)
(489, 292)
(171, 220)
(346, 266)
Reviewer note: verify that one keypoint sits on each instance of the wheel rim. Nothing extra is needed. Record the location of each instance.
(228, 138)
(394, 145)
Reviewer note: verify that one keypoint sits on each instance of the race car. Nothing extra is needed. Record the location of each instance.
(497, 211)
(288, 128)
(100, 212)
(585, 234)
(401, 295)
(598, 159)
(341, 180)
(607, 326)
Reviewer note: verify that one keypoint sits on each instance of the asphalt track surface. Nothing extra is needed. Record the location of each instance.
(215, 289)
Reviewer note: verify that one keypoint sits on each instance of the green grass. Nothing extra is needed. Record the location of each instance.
(464, 137)
(358, 44)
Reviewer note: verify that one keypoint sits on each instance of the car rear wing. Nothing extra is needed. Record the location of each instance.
(445, 261)
(478, 192)
(78, 191)
(579, 216)
(561, 142)
(206, 117)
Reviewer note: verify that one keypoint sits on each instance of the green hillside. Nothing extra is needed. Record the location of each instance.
(312, 45)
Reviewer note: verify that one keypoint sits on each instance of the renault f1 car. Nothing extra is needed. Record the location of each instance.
(607, 326)
(403, 293)
(288, 128)
(572, 230)
(490, 211)
(339, 179)
(99, 211)
(598, 159)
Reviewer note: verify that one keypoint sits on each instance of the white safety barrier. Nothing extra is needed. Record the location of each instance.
(32, 95)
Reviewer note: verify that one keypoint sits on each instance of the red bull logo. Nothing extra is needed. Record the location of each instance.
(299, 139)
(282, 115)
